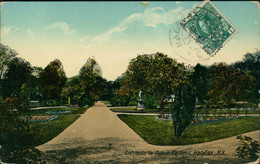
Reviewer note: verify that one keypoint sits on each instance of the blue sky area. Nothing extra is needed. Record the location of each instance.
(115, 32)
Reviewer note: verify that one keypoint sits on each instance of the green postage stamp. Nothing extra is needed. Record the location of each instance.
(209, 27)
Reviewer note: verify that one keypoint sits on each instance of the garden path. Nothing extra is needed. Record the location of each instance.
(100, 136)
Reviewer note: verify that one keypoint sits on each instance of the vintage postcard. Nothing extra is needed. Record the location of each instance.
(130, 82)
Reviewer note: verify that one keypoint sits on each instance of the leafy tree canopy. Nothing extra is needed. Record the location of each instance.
(156, 73)
(6, 56)
(19, 71)
(229, 84)
(85, 88)
(53, 79)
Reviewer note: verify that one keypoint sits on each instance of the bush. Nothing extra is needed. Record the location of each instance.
(51, 102)
(248, 148)
(124, 100)
(26, 155)
(150, 102)
(16, 135)
(184, 107)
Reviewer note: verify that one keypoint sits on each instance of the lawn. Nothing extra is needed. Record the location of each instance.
(134, 110)
(74, 110)
(199, 111)
(226, 111)
(45, 131)
(159, 132)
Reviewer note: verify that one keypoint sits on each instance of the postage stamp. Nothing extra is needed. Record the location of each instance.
(209, 27)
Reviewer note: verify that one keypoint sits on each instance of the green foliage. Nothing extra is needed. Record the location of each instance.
(150, 101)
(34, 83)
(52, 102)
(45, 131)
(52, 80)
(184, 107)
(200, 79)
(6, 56)
(86, 88)
(229, 85)
(121, 99)
(16, 82)
(110, 89)
(26, 155)
(156, 73)
(251, 63)
(161, 132)
(17, 136)
(248, 148)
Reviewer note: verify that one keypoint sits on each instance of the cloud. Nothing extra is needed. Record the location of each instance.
(154, 16)
(85, 38)
(5, 30)
(151, 18)
(63, 26)
(106, 36)
(30, 32)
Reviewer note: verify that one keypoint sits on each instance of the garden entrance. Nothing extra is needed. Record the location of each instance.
(99, 135)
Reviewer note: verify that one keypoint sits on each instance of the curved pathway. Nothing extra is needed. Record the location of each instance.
(100, 136)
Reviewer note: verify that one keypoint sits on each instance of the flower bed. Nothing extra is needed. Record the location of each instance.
(59, 112)
(41, 118)
(211, 119)
(198, 120)
(73, 106)
(164, 117)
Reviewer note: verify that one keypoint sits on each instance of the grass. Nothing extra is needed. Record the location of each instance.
(39, 112)
(106, 103)
(134, 110)
(45, 131)
(225, 111)
(169, 110)
(159, 132)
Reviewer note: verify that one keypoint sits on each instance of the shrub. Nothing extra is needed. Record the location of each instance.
(248, 148)
(184, 107)
(17, 136)
(150, 101)
(26, 155)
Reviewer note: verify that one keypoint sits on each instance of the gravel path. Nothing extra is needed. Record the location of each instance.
(99, 136)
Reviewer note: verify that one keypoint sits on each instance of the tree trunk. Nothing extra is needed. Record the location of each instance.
(161, 105)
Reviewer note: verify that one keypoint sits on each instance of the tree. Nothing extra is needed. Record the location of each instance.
(6, 56)
(16, 81)
(17, 136)
(156, 73)
(123, 95)
(200, 79)
(86, 88)
(184, 106)
(73, 85)
(34, 83)
(52, 80)
(229, 84)
(251, 64)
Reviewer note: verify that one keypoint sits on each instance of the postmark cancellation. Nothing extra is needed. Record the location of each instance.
(209, 27)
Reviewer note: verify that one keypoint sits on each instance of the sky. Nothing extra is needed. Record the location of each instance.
(115, 32)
